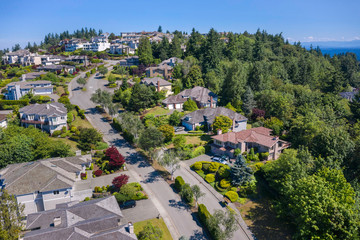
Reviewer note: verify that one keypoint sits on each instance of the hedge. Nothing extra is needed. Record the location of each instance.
(233, 196)
(210, 178)
(225, 183)
(4, 104)
(198, 151)
(214, 166)
(223, 172)
(219, 188)
(204, 214)
(205, 166)
(179, 182)
(196, 166)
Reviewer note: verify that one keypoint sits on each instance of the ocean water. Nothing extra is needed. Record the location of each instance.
(333, 51)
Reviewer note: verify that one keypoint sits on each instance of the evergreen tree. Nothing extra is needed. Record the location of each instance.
(194, 44)
(211, 51)
(175, 48)
(249, 101)
(159, 29)
(145, 51)
(164, 49)
(240, 172)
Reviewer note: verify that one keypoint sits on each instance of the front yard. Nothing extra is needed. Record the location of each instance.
(158, 110)
(139, 226)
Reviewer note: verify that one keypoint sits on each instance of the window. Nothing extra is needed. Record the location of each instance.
(62, 117)
(56, 192)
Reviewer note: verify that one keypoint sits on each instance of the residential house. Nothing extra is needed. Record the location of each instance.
(51, 59)
(48, 117)
(171, 62)
(206, 117)
(202, 96)
(55, 68)
(3, 120)
(98, 219)
(22, 57)
(350, 96)
(130, 61)
(121, 49)
(32, 75)
(77, 59)
(159, 83)
(74, 44)
(164, 71)
(41, 185)
(259, 138)
(16, 90)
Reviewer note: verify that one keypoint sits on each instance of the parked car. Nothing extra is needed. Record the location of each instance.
(179, 129)
(128, 204)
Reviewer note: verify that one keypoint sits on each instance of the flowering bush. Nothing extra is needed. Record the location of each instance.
(98, 172)
(116, 160)
(119, 181)
(83, 176)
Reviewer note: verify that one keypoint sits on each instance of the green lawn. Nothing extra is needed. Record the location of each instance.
(138, 226)
(197, 139)
(157, 111)
(72, 144)
(78, 122)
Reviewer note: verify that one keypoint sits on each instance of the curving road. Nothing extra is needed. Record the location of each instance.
(178, 218)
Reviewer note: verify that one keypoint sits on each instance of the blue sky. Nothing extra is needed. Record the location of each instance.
(301, 20)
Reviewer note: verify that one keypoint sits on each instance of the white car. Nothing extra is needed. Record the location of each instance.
(219, 160)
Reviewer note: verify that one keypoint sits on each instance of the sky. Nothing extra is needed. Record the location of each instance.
(25, 21)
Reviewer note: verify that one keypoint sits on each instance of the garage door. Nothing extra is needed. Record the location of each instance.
(178, 106)
(171, 107)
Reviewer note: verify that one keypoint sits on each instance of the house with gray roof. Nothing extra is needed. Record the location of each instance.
(16, 90)
(207, 116)
(42, 184)
(202, 96)
(159, 83)
(172, 61)
(23, 57)
(98, 219)
(48, 117)
(350, 96)
(54, 68)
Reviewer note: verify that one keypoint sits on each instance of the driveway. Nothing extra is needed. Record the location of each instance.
(179, 220)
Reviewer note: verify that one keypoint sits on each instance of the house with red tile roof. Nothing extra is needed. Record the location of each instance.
(260, 138)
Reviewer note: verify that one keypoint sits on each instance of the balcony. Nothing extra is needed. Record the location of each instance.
(34, 121)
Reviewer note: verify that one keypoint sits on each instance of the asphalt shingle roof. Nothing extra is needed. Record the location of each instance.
(47, 109)
(199, 94)
(208, 115)
(154, 81)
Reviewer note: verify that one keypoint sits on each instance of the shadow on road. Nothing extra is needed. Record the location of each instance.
(198, 235)
(152, 177)
(178, 204)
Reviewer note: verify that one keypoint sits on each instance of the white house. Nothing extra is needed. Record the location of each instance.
(48, 117)
(42, 184)
(16, 90)
(118, 48)
(23, 57)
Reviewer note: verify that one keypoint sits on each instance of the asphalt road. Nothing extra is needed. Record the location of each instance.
(177, 217)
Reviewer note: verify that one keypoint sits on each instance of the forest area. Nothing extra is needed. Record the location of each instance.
(314, 184)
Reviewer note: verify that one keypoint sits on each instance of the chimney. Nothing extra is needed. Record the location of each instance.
(47, 106)
(130, 228)
(219, 132)
(57, 221)
(158, 85)
(211, 101)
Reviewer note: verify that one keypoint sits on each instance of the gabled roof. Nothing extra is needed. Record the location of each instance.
(154, 81)
(208, 115)
(29, 85)
(259, 135)
(47, 109)
(95, 219)
(199, 94)
(42, 175)
(21, 52)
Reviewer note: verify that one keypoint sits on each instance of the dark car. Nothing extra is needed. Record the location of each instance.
(128, 204)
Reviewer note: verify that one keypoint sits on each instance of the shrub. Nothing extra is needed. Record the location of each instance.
(197, 166)
(56, 133)
(205, 166)
(98, 173)
(204, 214)
(73, 129)
(83, 176)
(257, 166)
(119, 181)
(210, 178)
(198, 151)
(91, 166)
(101, 146)
(234, 189)
(186, 193)
(225, 183)
(232, 196)
(219, 188)
(86, 199)
(214, 166)
(263, 155)
(116, 160)
(179, 182)
(223, 172)
(237, 151)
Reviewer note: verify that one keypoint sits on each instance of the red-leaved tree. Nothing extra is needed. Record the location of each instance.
(121, 180)
(116, 160)
(98, 172)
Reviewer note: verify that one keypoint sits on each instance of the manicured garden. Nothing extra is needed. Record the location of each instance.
(108, 161)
